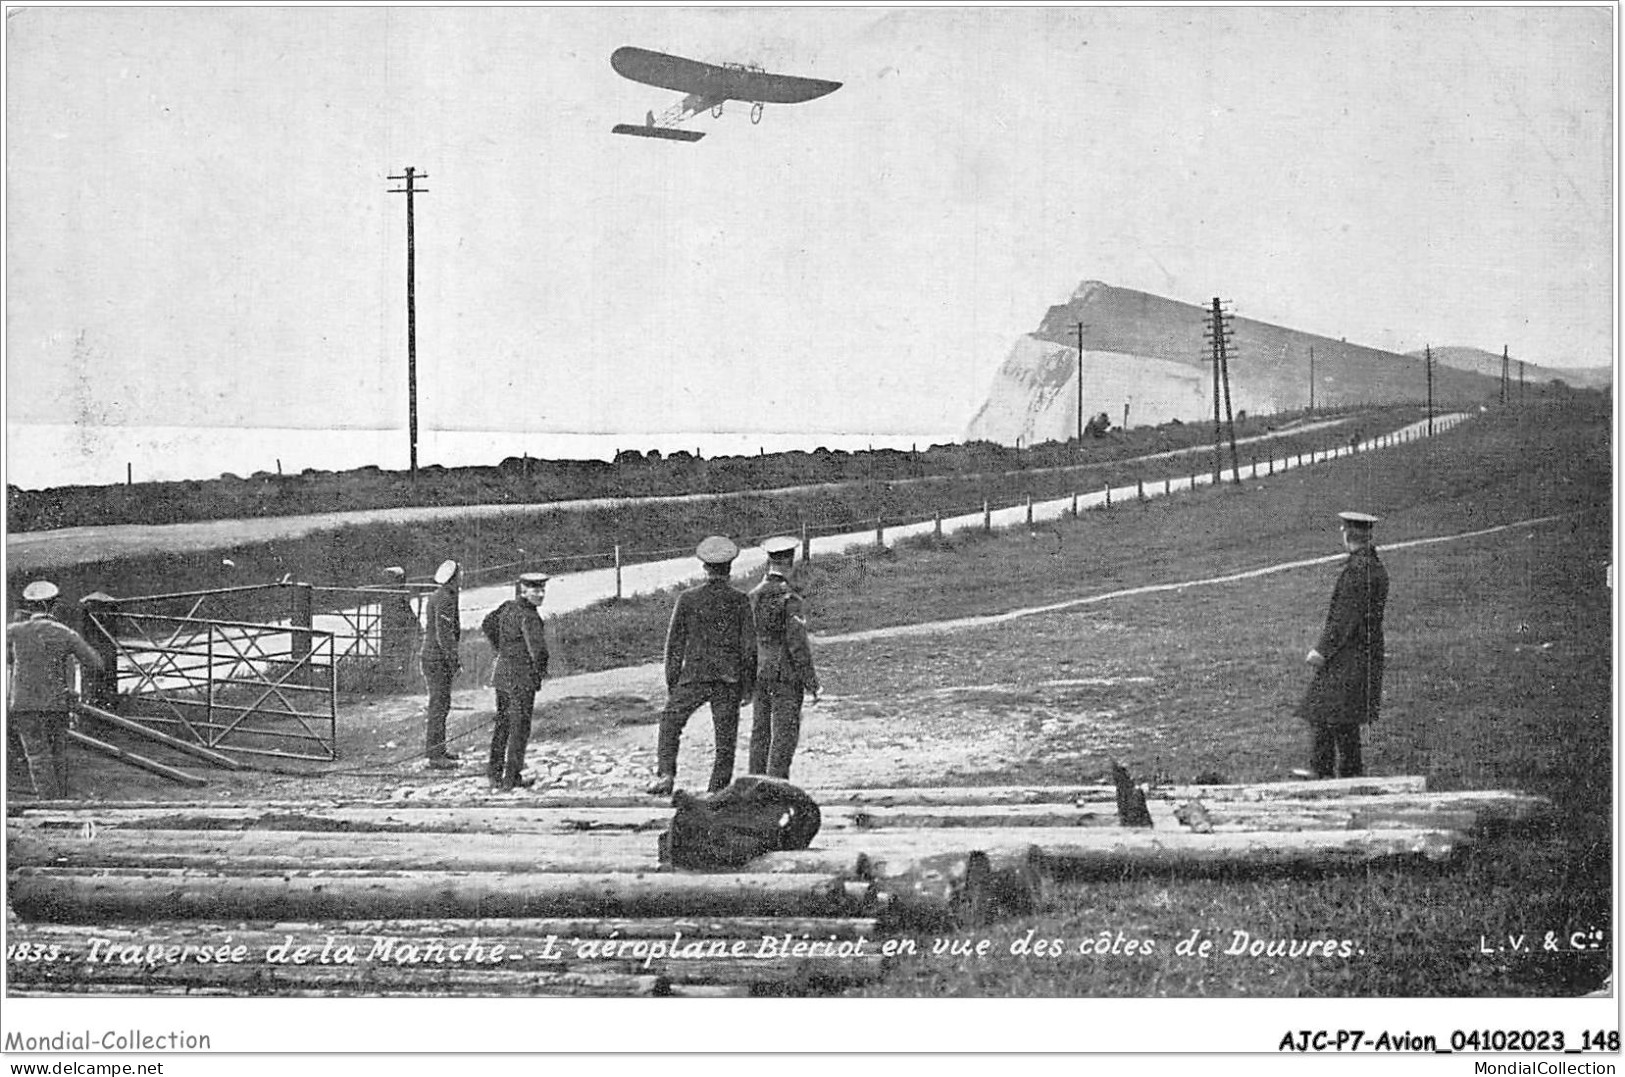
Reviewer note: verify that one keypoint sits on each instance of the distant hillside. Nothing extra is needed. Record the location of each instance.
(1148, 357)
(1480, 361)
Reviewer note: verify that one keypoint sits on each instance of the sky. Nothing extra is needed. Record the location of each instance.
(200, 229)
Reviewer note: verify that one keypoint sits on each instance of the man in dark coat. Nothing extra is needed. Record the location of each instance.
(40, 685)
(784, 664)
(518, 637)
(443, 633)
(1346, 689)
(710, 657)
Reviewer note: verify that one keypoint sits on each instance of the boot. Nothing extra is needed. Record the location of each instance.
(662, 786)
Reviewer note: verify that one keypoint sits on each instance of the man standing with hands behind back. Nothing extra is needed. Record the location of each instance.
(1345, 691)
(710, 657)
(518, 637)
(784, 663)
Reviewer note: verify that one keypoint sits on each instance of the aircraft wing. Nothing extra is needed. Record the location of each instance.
(713, 82)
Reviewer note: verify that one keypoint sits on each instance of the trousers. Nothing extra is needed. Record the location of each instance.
(775, 727)
(1339, 744)
(510, 736)
(39, 729)
(438, 676)
(681, 702)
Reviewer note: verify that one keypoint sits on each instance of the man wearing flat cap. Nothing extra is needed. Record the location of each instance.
(1345, 691)
(710, 658)
(784, 663)
(518, 637)
(440, 661)
(37, 653)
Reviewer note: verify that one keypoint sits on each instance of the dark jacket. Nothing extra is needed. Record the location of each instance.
(37, 653)
(519, 639)
(711, 637)
(443, 631)
(1347, 689)
(783, 652)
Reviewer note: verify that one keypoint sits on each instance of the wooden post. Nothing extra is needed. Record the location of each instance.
(987, 517)
(617, 572)
(806, 544)
(880, 531)
(129, 473)
(936, 525)
(1271, 467)
(1029, 510)
(1140, 485)
(101, 614)
(299, 610)
(1074, 504)
(1108, 488)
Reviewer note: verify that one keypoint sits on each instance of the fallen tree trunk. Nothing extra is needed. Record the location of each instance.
(102, 895)
(254, 850)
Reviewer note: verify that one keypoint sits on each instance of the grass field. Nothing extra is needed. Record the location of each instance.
(1499, 676)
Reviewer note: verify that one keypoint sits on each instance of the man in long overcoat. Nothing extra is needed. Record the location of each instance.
(784, 663)
(710, 657)
(442, 637)
(518, 636)
(1345, 691)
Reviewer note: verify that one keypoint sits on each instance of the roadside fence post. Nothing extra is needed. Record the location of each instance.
(1167, 485)
(880, 530)
(299, 612)
(1108, 488)
(936, 525)
(1029, 510)
(1074, 504)
(806, 544)
(617, 572)
(987, 517)
(1140, 485)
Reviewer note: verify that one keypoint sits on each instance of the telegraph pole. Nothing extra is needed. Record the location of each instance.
(1504, 361)
(1520, 383)
(1311, 377)
(1428, 360)
(409, 190)
(1219, 331)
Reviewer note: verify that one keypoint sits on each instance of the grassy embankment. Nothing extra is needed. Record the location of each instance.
(576, 540)
(1498, 677)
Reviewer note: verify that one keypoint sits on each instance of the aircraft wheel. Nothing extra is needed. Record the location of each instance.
(756, 113)
(716, 112)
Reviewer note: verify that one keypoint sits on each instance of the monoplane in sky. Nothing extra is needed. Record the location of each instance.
(707, 86)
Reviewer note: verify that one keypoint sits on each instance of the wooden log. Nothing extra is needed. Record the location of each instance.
(1072, 850)
(565, 928)
(253, 850)
(163, 770)
(980, 815)
(72, 895)
(826, 798)
(208, 755)
(366, 978)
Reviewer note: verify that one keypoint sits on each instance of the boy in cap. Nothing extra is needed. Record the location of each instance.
(517, 635)
(37, 650)
(784, 663)
(440, 661)
(1345, 691)
(710, 657)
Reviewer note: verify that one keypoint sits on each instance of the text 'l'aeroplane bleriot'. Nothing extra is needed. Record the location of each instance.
(708, 86)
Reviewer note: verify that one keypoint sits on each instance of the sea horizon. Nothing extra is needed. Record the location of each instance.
(45, 455)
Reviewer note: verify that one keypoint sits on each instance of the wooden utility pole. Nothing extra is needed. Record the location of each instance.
(411, 314)
(1220, 333)
(1520, 383)
(1428, 361)
(1504, 361)
(1311, 377)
